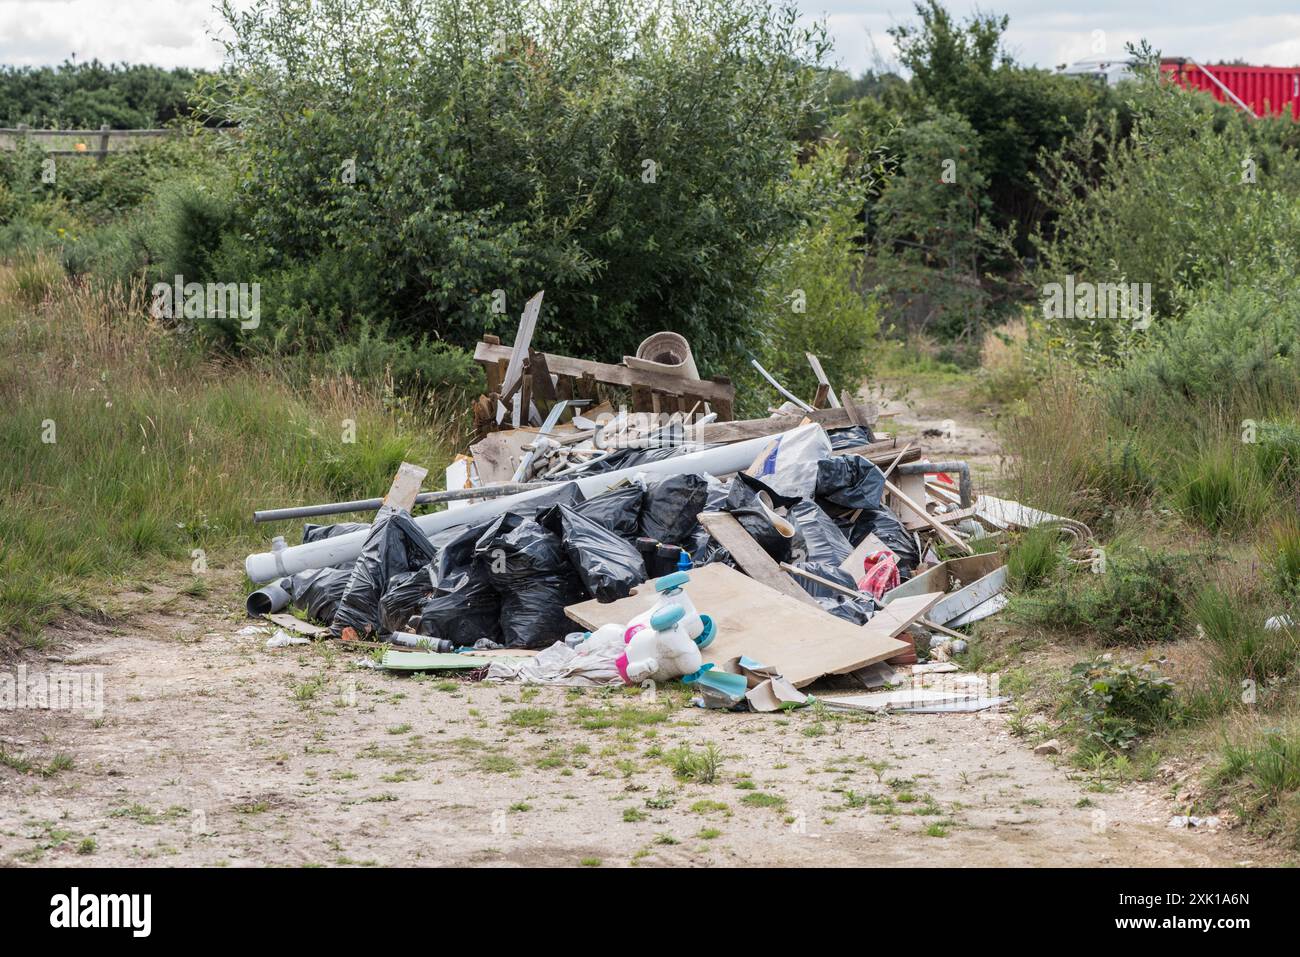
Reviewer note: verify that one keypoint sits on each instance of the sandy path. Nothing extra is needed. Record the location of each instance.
(212, 750)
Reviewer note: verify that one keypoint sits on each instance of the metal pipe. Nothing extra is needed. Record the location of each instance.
(286, 561)
(372, 504)
(961, 468)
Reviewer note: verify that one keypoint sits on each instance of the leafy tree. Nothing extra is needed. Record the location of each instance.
(628, 157)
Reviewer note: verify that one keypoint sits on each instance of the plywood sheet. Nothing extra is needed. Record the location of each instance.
(801, 642)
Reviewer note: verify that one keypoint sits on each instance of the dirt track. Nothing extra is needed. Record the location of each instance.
(214, 751)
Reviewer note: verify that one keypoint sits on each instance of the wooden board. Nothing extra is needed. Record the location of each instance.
(801, 642)
(749, 555)
(709, 390)
(297, 625)
(406, 485)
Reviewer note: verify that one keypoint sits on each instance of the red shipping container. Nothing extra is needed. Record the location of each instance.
(1264, 90)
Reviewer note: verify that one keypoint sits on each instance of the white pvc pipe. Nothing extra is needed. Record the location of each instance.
(265, 566)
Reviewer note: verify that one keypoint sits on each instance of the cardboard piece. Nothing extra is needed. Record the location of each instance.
(798, 641)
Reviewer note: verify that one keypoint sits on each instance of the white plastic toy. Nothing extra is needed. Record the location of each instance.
(665, 642)
(671, 589)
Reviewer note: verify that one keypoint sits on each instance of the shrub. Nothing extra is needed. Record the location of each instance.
(627, 157)
(1136, 600)
(1242, 648)
(1116, 703)
(812, 303)
(1262, 772)
(1221, 489)
(1281, 552)
(1034, 559)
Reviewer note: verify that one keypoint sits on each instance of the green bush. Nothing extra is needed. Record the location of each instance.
(1115, 704)
(1034, 559)
(1242, 648)
(1134, 601)
(630, 158)
(812, 303)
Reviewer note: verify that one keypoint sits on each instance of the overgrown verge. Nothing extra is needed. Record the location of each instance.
(128, 447)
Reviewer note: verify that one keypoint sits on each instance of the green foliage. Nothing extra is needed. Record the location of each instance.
(1242, 648)
(1191, 197)
(933, 236)
(1221, 489)
(88, 95)
(626, 157)
(1280, 550)
(1034, 559)
(1134, 601)
(812, 300)
(1116, 703)
(1261, 772)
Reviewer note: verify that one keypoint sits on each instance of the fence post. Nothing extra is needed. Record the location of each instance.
(103, 141)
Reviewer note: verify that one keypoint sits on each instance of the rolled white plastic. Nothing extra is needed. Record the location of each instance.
(265, 566)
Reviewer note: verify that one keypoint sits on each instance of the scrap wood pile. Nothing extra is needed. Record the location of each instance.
(665, 541)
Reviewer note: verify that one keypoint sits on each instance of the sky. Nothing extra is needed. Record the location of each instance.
(1044, 33)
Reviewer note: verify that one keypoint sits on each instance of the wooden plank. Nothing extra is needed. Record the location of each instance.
(749, 555)
(824, 391)
(940, 529)
(523, 339)
(799, 641)
(406, 485)
(298, 626)
(716, 389)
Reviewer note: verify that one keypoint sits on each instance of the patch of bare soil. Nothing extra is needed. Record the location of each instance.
(211, 750)
(947, 420)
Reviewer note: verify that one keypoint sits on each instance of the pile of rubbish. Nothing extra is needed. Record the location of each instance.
(579, 545)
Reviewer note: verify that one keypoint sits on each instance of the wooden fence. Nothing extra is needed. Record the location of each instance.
(97, 143)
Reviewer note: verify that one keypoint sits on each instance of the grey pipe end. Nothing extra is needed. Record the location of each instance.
(267, 600)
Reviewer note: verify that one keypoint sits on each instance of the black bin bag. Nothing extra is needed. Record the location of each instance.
(744, 503)
(403, 597)
(850, 481)
(465, 608)
(884, 524)
(527, 566)
(319, 591)
(618, 510)
(395, 545)
(820, 539)
(669, 508)
(608, 566)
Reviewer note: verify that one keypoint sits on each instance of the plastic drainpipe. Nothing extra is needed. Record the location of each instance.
(925, 468)
(284, 561)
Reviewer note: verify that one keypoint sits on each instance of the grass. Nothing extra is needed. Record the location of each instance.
(130, 451)
(1034, 559)
(701, 766)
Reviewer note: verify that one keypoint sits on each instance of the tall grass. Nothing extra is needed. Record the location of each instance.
(127, 448)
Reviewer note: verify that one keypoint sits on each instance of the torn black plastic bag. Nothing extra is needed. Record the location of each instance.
(618, 510)
(858, 611)
(824, 570)
(850, 481)
(774, 534)
(608, 566)
(527, 566)
(820, 539)
(395, 545)
(884, 524)
(669, 508)
(318, 592)
(566, 494)
(465, 608)
(403, 597)
(851, 437)
(316, 533)
(469, 613)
